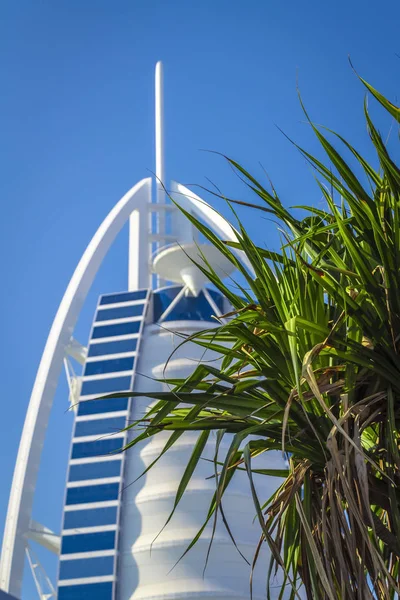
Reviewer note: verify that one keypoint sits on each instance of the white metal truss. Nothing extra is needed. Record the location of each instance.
(213, 305)
(44, 587)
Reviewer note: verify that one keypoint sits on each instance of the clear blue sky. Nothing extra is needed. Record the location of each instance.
(76, 122)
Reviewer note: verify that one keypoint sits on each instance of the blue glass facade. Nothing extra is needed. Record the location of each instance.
(92, 493)
(98, 447)
(89, 591)
(92, 501)
(95, 427)
(116, 329)
(189, 308)
(123, 312)
(91, 515)
(101, 387)
(94, 407)
(88, 542)
(123, 297)
(89, 567)
(107, 348)
(95, 470)
(111, 365)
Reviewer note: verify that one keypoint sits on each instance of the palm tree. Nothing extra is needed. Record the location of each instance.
(311, 366)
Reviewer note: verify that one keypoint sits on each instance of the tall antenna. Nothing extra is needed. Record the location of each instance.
(160, 166)
(147, 233)
(159, 120)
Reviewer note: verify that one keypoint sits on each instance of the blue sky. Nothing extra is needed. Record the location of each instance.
(76, 121)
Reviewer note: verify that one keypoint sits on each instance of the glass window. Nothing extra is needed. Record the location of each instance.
(218, 298)
(111, 365)
(122, 312)
(104, 331)
(112, 347)
(190, 308)
(87, 567)
(91, 517)
(123, 297)
(88, 542)
(97, 470)
(99, 426)
(90, 591)
(105, 386)
(94, 407)
(92, 493)
(97, 448)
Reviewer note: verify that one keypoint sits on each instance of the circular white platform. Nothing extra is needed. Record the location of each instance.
(175, 263)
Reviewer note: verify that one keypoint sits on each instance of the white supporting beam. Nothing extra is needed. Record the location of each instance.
(76, 351)
(174, 303)
(74, 384)
(44, 537)
(211, 302)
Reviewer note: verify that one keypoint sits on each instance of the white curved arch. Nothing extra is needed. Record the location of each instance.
(193, 203)
(32, 439)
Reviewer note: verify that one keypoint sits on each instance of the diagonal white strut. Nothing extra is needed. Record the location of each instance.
(44, 537)
(44, 587)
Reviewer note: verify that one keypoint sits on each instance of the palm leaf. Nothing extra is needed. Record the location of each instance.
(309, 364)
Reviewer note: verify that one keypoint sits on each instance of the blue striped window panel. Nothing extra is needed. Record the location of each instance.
(92, 493)
(122, 312)
(129, 328)
(116, 347)
(90, 517)
(94, 407)
(87, 567)
(97, 447)
(106, 386)
(88, 542)
(97, 470)
(90, 591)
(123, 297)
(99, 426)
(111, 365)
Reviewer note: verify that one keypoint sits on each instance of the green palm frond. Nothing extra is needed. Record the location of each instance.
(310, 364)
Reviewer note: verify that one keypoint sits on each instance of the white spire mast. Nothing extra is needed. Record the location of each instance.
(160, 165)
(142, 228)
(159, 121)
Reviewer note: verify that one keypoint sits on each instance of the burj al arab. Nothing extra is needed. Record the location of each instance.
(111, 516)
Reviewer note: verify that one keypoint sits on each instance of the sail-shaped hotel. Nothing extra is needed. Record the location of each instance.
(110, 517)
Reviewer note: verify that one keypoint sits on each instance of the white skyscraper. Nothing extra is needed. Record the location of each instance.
(111, 517)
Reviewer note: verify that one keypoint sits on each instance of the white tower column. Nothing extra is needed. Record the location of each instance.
(147, 570)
